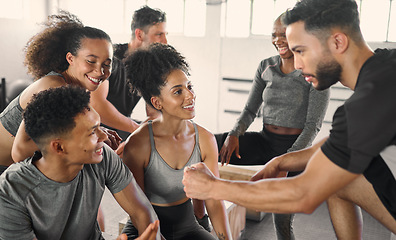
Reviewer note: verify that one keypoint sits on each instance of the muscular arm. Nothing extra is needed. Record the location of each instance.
(134, 202)
(136, 152)
(109, 115)
(216, 208)
(303, 193)
(288, 162)
(23, 146)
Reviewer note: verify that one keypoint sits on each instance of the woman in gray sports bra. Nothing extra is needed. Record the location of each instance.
(65, 52)
(159, 150)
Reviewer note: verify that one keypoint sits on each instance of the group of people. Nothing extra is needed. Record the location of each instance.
(168, 174)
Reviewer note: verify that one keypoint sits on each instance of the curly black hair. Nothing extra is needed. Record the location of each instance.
(320, 16)
(147, 69)
(51, 112)
(46, 51)
(145, 17)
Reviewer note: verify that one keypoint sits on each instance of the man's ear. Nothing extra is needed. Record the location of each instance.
(57, 147)
(156, 102)
(339, 42)
(139, 33)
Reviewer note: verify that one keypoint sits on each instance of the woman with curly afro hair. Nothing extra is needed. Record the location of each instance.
(159, 150)
(64, 52)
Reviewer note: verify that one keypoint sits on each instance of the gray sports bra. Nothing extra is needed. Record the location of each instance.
(162, 183)
(11, 117)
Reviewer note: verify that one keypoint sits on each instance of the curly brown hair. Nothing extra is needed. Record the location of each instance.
(46, 51)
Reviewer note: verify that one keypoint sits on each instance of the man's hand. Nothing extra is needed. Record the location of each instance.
(149, 234)
(230, 145)
(113, 139)
(198, 180)
(270, 170)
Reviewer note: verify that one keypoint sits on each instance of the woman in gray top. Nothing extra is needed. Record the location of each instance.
(293, 112)
(158, 151)
(64, 52)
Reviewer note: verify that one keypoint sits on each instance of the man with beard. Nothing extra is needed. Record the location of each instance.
(356, 164)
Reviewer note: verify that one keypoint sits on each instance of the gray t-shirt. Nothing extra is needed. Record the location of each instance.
(34, 206)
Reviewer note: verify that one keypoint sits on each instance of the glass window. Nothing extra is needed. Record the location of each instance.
(263, 17)
(282, 5)
(174, 10)
(374, 19)
(195, 18)
(130, 7)
(98, 13)
(237, 18)
(392, 23)
(11, 9)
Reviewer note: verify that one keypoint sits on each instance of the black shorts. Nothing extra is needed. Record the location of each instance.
(384, 183)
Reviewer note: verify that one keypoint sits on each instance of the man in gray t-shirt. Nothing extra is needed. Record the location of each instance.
(56, 193)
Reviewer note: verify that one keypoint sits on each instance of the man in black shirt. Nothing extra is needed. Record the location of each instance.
(114, 99)
(356, 164)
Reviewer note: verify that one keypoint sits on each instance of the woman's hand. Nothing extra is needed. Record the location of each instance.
(230, 145)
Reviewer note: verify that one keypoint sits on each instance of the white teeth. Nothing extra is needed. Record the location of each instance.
(95, 80)
(189, 106)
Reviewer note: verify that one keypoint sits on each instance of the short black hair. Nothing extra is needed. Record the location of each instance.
(320, 16)
(145, 17)
(147, 69)
(51, 112)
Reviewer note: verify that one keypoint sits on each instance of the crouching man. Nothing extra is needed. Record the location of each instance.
(56, 193)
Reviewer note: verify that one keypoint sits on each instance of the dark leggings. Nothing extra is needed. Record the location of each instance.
(176, 223)
(257, 148)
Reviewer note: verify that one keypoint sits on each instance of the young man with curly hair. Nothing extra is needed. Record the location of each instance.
(56, 193)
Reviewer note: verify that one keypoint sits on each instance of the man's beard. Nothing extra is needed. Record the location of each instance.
(327, 74)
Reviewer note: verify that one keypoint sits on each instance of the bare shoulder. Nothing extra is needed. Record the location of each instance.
(51, 81)
(204, 134)
(41, 84)
(208, 146)
(138, 143)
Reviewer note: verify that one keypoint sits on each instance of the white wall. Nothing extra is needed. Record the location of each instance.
(211, 58)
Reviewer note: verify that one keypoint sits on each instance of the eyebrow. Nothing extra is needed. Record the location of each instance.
(294, 48)
(180, 85)
(94, 56)
(94, 127)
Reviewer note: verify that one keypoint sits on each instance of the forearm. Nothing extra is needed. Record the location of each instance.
(23, 146)
(135, 203)
(297, 160)
(218, 216)
(269, 195)
(22, 151)
(111, 117)
(305, 139)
